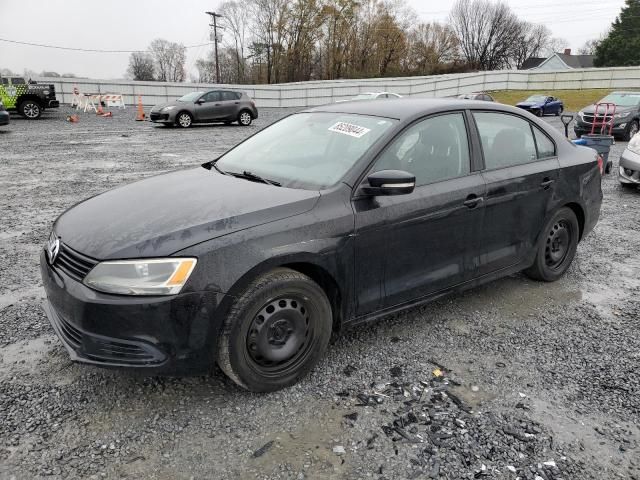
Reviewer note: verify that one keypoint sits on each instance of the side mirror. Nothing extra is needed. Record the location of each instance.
(200, 101)
(390, 182)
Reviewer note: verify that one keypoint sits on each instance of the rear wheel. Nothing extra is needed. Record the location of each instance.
(632, 129)
(276, 331)
(184, 120)
(557, 246)
(30, 109)
(245, 118)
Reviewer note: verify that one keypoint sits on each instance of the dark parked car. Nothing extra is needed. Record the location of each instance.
(477, 96)
(226, 106)
(4, 115)
(541, 105)
(328, 218)
(625, 120)
(629, 165)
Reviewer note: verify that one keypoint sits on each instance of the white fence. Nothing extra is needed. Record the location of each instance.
(304, 94)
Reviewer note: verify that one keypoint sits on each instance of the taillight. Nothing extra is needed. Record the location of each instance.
(601, 165)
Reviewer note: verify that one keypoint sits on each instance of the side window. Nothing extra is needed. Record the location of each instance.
(18, 81)
(227, 96)
(434, 149)
(212, 97)
(5, 81)
(546, 148)
(506, 139)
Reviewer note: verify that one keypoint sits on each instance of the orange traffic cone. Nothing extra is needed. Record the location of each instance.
(107, 115)
(140, 115)
(100, 110)
(73, 118)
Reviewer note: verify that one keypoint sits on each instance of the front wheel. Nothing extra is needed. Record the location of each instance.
(556, 247)
(632, 129)
(245, 118)
(30, 109)
(276, 332)
(184, 120)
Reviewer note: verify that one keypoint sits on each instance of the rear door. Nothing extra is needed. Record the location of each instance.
(425, 239)
(521, 172)
(229, 104)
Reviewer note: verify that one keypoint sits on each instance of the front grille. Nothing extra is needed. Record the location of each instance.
(110, 350)
(159, 116)
(74, 263)
(588, 118)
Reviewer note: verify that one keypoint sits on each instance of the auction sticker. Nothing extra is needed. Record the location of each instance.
(349, 129)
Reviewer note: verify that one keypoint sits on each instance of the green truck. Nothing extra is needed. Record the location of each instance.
(29, 99)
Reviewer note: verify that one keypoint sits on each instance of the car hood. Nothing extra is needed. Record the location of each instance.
(160, 106)
(163, 214)
(592, 109)
(528, 104)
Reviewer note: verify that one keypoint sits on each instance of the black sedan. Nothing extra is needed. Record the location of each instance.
(328, 218)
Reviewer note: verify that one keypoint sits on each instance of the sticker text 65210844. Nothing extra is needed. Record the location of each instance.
(349, 129)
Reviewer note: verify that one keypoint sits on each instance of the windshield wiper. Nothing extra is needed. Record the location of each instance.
(254, 178)
(218, 169)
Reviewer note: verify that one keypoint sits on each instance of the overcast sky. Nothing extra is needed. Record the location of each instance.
(132, 24)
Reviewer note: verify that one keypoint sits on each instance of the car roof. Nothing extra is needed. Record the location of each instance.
(408, 108)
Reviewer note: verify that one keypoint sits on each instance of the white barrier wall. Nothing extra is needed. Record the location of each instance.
(304, 94)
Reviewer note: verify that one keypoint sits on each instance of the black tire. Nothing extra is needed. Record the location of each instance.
(538, 112)
(631, 130)
(608, 167)
(30, 109)
(276, 332)
(245, 118)
(228, 123)
(557, 245)
(184, 119)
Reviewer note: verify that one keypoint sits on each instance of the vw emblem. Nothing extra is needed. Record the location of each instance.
(53, 248)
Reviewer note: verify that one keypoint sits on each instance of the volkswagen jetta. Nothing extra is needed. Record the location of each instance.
(328, 218)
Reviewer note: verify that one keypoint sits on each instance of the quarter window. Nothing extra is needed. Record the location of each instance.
(18, 81)
(434, 149)
(546, 148)
(227, 96)
(507, 140)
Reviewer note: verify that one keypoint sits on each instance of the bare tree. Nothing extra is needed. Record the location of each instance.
(206, 70)
(556, 44)
(486, 32)
(169, 59)
(235, 18)
(270, 26)
(589, 47)
(532, 41)
(141, 66)
(431, 44)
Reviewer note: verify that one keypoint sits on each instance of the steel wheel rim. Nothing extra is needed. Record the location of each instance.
(558, 244)
(280, 336)
(245, 118)
(31, 110)
(184, 120)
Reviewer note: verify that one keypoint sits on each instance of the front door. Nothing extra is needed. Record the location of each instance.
(422, 242)
(521, 174)
(208, 109)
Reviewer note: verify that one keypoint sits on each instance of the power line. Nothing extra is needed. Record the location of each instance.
(92, 50)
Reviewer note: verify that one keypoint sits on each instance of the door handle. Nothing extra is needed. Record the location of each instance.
(472, 201)
(217, 105)
(546, 183)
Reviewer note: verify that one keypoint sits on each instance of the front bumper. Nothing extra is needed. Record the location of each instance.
(4, 117)
(53, 103)
(168, 335)
(160, 117)
(629, 169)
(583, 128)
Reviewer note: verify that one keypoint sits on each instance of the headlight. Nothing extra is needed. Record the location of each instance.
(622, 115)
(45, 92)
(634, 144)
(163, 276)
(581, 114)
(168, 109)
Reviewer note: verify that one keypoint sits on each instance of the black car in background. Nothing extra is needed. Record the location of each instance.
(4, 115)
(226, 106)
(626, 120)
(330, 217)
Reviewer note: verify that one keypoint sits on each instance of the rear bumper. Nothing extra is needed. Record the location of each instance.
(172, 335)
(53, 103)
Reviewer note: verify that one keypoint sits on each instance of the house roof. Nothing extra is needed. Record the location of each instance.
(531, 62)
(576, 61)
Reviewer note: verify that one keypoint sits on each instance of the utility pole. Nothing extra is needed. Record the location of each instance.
(214, 16)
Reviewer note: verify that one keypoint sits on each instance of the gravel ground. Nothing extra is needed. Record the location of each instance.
(515, 379)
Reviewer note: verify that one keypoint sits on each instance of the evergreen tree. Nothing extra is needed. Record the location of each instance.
(621, 47)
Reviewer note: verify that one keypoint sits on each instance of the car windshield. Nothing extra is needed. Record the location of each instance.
(365, 96)
(307, 150)
(191, 97)
(536, 98)
(623, 99)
